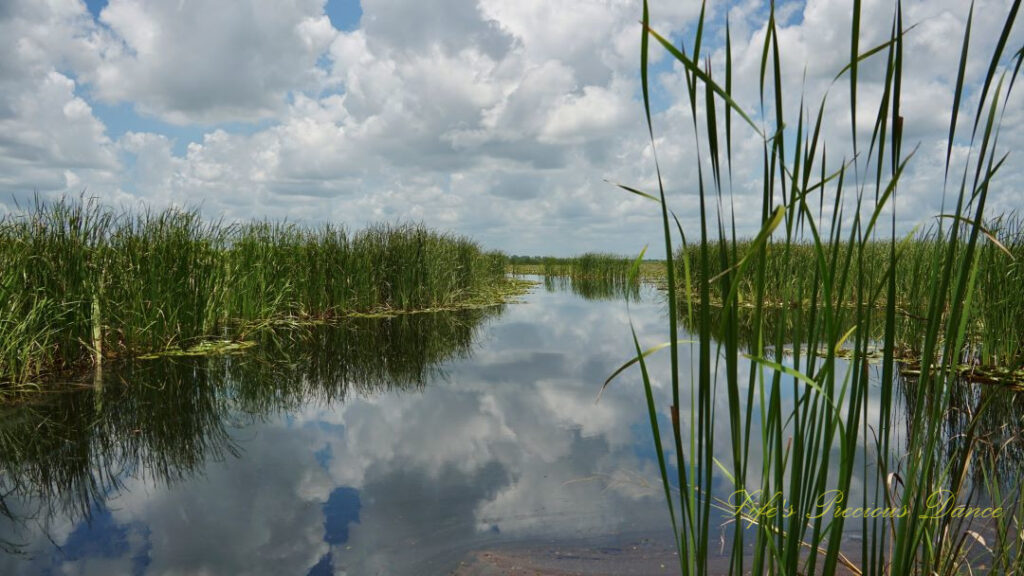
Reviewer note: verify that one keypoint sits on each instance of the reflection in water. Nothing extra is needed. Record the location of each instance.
(376, 446)
(999, 426)
(70, 450)
(990, 417)
(362, 355)
(161, 421)
(776, 321)
(615, 288)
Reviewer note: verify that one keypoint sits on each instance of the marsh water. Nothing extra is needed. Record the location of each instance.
(388, 446)
(373, 446)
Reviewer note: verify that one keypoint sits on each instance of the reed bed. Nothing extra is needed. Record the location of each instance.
(592, 275)
(594, 266)
(589, 289)
(591, 267)
(758, 415)
(994, 338)
(80, 282)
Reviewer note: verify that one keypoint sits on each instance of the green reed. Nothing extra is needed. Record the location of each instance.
(80, 282)
(592, 275)
(592, 266)
(792, 421)
(993, 327)
(593, 289)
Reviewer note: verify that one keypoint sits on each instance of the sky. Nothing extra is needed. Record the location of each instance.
(503, 121)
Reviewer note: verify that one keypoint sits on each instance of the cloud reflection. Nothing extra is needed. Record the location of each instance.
(503, 445)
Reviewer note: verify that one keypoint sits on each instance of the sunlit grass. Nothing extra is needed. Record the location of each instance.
(993, 326)
(799, 424)
(80, 282)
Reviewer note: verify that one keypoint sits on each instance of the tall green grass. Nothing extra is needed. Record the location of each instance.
(993, 328)
(80, 282)
(591, 266)
(766, 415)
(593, 276)
(592, 289)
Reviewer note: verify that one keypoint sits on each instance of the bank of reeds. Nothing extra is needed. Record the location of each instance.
(993, 326)
(80, 282)
(593, 289)
(591, 266)
(762, 436)
(594, 276)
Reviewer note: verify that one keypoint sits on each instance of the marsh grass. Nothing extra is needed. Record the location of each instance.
(592, 276)
(80, 282)
(992, 328)
(590, 266)
(593, 289)
(798, 424)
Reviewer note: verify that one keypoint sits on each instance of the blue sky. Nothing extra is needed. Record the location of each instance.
(501, 121)
(344, 14)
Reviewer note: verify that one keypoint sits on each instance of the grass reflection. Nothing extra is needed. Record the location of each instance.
(163, 420)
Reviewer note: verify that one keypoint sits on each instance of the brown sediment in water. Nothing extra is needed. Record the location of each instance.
(643, 558)
(638, 559)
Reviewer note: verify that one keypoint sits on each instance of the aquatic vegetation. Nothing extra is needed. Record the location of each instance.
(607, 267)
(829, 265)
(80, 282)
(593, 289)
(994, 320)
(593, 276)
(591, 266)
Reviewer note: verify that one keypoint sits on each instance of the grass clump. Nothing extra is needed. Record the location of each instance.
(757, 411)
(593, 276)
(993, 335)
(80, 282)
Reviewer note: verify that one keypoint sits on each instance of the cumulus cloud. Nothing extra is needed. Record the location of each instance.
(49, 138)
(209, 62)
(494, 119)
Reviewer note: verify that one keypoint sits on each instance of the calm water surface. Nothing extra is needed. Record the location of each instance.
(381, 446)
(376, 446)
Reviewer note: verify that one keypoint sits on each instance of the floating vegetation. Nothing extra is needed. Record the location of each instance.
(973, 373)
(204, 348)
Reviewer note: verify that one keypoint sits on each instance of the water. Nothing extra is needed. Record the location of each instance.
(383, 446)
(377, 446)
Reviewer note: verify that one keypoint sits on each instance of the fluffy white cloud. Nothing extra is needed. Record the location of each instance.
(209, 62)
(49, 138)
(494, 119)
